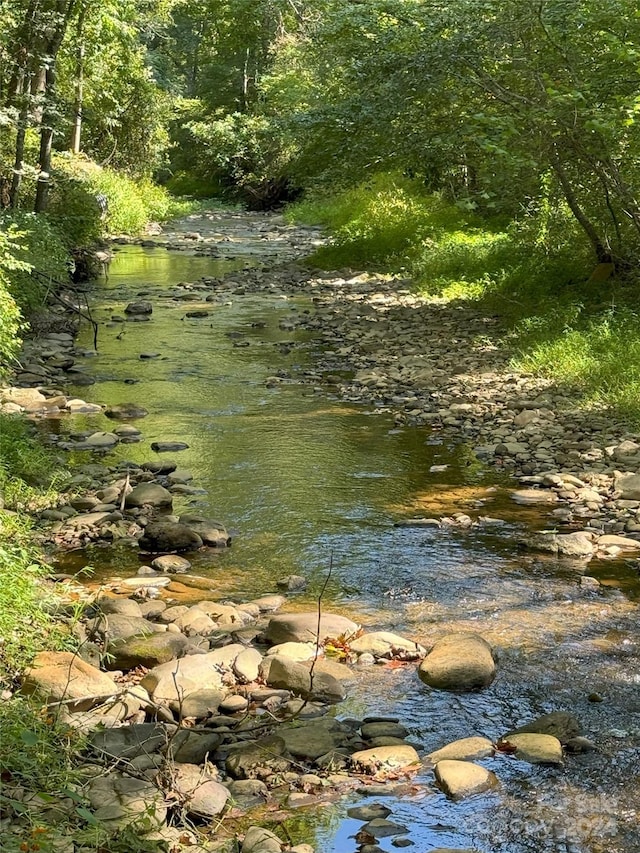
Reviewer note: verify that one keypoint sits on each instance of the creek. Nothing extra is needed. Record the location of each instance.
(310, 482)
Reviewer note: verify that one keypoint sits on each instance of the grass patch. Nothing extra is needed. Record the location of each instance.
(384, 222)
(533, 272)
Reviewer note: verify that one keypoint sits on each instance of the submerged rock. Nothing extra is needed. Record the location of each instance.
(141, 308)
(166, 536)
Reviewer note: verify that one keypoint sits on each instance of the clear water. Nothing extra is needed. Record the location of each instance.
(307, 480)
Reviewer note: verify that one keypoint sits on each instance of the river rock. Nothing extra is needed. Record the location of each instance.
(627, 486)
(384, 644)
(146, 651)
(383, 728)
(260, 840)
(119, 800)
(149, 494)
(534, 496)
(199, 704)
(302, 627)
(195, 621)
(109, 604)
(192, 747)
(171, 564)
(168, 446)
(534, 748)
(458, 662)
(167, 536)
(292, 583)
(131, 741)
(247, 665)
(394, 757)
(576, 544)
(248, 760)
(57, 676)
(369, 811)
(114, 627)
(100, 440)
(288, 675)
(309, 740)
(381, 828)
(173, 681)
(559, 724)
(125, 411)
(294, 651)
(459, 779)
(465, 749)
(201, 795)
(212, 533)
(142, 307)
(234, 704)
(624, 543)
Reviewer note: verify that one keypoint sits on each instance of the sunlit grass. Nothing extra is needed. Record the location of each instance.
(533, 273)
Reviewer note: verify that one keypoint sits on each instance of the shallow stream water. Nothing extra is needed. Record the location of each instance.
(310, 482)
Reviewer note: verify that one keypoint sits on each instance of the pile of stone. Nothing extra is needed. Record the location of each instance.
(191, 709)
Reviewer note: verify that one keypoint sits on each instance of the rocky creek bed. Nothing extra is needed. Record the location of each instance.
(210, 709)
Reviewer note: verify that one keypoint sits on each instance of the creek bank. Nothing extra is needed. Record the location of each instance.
(200, 715)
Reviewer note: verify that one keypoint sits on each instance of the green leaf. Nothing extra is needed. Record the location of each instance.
(85, 814)
(29, 738)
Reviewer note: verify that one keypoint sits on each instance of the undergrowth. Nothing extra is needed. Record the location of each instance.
(533, 272)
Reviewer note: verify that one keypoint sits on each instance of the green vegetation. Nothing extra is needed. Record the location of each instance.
(532, 271)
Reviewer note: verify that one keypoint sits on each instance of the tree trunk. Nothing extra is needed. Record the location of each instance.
(602, 253)
(46, 144)
(64, 9)
(18, 164)
(76, 130)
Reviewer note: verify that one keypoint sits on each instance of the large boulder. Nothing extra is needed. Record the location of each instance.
(146, 651)
(162, 537)
(286, 674)
(148, 494)
(303, 627)
(460, 779)
(63, 676)
(458, 662)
